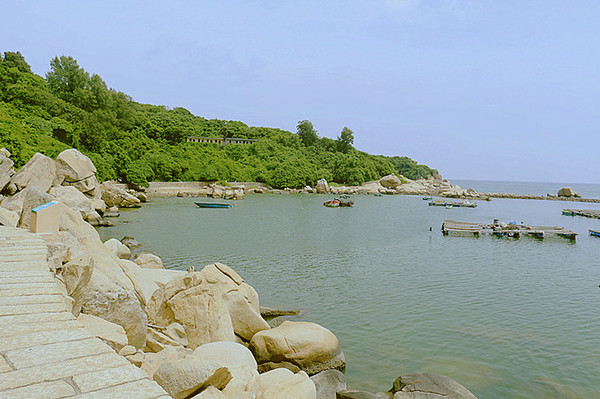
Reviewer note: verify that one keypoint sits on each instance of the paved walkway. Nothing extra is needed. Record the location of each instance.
(44, 351)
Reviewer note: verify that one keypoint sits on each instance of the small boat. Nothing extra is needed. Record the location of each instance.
(449, 206)
(378, 195)
(334, 203)
(595, 233)
(346, 203)
(344, 196)
(568, 212)
(427, 198)
(213, 204)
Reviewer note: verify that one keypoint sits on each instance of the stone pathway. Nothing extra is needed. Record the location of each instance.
(44, 351)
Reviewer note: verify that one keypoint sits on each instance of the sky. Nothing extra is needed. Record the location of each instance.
(478, 89)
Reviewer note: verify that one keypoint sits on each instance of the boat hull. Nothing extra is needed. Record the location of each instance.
(212, 205)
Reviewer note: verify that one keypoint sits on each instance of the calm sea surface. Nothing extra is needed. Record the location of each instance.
(506, 318)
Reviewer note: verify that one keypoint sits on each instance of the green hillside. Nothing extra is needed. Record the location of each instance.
(138, 143)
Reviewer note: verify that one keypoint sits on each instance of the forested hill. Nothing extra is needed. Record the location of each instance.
(138, 143)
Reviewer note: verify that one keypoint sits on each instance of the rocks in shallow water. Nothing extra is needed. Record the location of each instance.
(130, 242)
(115, 196)
(416, 385)
(149, 261)
(112, 212)
(282, 383)
(308, 345)
(117, 248)
(567, 192)
(328, 383)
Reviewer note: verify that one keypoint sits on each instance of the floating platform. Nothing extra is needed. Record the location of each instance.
(453, 204)
(588, 213)
(511, 230)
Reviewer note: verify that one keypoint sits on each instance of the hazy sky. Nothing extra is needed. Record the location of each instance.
(499, 90)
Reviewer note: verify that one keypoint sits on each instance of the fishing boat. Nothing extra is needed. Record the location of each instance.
(213, 204)
(595, 233)
(334, 203)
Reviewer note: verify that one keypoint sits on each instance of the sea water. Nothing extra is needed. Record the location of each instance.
(507, 318)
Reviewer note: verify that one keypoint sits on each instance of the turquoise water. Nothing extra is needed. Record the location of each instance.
(506, 318)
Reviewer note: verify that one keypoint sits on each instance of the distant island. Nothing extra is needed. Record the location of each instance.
(137, 143)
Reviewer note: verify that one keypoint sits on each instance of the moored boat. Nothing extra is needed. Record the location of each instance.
(334, 203)
(213, 204)
(427, 198)
(595, 233)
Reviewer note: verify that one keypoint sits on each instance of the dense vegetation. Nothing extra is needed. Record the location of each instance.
(138, 143)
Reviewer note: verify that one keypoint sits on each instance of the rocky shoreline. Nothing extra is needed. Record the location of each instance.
(388, 185)
(197, 333)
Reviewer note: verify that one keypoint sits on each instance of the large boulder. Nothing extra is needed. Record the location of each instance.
(282, 383)
(72, 198)
(152, 361)
(328, 383)
(307, 345)
(148, 260)
(116, 196)
(195, 303)
(240, 297)
(75, 169)
(417, 385)
(182, 377)
(72, 222)
(322, 187)
(39, 173)
(110, 295)
(147, 281)
(33, 198)
(112, 334)
(236, 357)
(390, 181)
(120, 250)
(567, 192)
(8, 218)
(7, 169)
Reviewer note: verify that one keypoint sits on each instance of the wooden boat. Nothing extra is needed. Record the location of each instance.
(213, 204)
(334, 203)
(595, 233)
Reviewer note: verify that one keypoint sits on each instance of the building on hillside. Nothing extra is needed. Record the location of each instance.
(219, 140)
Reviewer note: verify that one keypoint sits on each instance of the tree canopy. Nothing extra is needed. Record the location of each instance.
(137, 143)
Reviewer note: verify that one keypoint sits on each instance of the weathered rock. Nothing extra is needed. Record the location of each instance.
(282, 383)
(567, 192)
(237, 358)
(14, 203)
(117, 248)
(141, 196)
(76, 275)
(8, 218)
(33, 198)
(130, 242)
(112, 212)
(148, 260)
(176, 332)
(156, 341)
(99, 206)
(115, 196)
(75, 169)
(241, 298)
(94, 218)
(210, 393)
(147, 281)
(356, 394)
(268, 366)
(418, 385)
(136, 359)
(112, 334)
(322, 187)
(308, 345)
(152, 361)
(328, 383)
(38, 173)
(127, 350)
(72, 222)
(110, 294)
(72, 198)
(390, 181)
(7, 169)
(189, 375)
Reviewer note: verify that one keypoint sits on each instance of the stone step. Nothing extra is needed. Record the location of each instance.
(8, 330)
(143, 389)
(47, 390)
(34, 318)
(34, 339)
(31, 308)
(98, 380)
